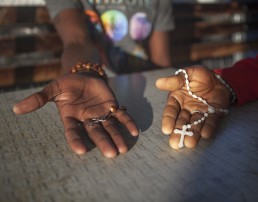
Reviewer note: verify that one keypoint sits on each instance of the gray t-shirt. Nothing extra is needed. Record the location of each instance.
(122, 27)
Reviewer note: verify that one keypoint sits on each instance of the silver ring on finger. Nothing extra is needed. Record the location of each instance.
(197, 111)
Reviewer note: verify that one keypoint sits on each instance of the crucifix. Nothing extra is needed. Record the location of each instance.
(183, 133)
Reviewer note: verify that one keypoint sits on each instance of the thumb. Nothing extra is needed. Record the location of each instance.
(31, 103)
(171, 83)
(38, 99)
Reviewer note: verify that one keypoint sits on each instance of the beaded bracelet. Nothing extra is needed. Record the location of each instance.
(90, 68)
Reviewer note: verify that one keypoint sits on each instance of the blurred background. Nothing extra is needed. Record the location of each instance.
(214, 33)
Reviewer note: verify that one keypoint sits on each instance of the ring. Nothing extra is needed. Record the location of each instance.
(175, 100)
(106, 116)
(196, 111)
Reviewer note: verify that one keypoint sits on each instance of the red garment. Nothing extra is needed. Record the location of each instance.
(243, 78)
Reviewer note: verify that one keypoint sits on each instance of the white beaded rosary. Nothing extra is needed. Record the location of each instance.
(185, 128)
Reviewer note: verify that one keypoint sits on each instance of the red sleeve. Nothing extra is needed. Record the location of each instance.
(243, 79)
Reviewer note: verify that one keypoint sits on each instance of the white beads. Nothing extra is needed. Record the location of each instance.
(223, 110)
(211, 109)
(233, 99)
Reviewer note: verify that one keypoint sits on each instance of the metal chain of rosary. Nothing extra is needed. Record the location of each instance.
(185, 128)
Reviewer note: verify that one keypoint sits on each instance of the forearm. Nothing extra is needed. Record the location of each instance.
(243, 79)
(159, 47)
(77, 44)
(77, 52)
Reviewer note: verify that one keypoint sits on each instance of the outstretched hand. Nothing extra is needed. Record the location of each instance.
(182, 109)
(80, 98)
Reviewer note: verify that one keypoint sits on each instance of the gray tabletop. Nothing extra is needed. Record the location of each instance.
(37, 165)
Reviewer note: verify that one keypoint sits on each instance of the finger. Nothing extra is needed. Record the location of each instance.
(191, 141)
(31, 103)
(169, 116)
(210, 125)
(127, 121)
(73, 137)
(183, 119)
(116, 136)
(171, 83)
(37, 100)
(101, 139)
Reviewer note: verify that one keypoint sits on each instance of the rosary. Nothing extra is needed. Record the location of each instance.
(211, 110)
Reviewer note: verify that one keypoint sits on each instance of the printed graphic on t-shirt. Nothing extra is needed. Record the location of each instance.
(94, 19)
(127, 24)
(139, 52)
(121, 4)
(140, 26)
(115, 24)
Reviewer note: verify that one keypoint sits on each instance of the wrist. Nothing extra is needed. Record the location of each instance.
(232, 94)
(77, 52)
(93, 69)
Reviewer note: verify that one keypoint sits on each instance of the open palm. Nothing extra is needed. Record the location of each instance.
(80, 98)
(181, 107)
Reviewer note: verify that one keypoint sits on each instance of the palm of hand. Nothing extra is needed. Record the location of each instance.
(82, 99)
(79, 98)
(181, 106)
(204, 84)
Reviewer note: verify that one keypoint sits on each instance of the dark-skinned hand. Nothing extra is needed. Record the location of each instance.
(180, 105)
(79, 98)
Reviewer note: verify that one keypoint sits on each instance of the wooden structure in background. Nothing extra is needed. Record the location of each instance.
(30, 48)
(213, 31)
